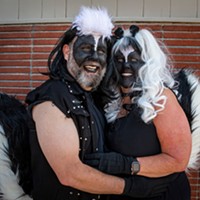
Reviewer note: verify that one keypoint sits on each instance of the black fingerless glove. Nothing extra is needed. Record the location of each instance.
(111, 163)
(141, 187)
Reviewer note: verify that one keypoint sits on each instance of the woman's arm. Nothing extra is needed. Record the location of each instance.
(59, 141)
(175, 138)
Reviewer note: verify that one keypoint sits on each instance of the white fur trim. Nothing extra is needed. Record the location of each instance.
(194, 162)
(93, 21)
(9, 186)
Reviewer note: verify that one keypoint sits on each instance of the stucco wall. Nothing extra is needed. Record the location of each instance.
(26, 11)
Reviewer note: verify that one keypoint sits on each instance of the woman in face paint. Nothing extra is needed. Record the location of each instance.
(146, 123)
(128, 62)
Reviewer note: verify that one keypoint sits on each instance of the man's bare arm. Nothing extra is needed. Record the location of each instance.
(59, 141)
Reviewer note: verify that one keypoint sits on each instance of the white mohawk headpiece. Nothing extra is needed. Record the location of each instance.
(93, 21)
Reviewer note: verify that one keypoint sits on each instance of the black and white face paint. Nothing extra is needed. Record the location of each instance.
(88, 60)
(128, 62)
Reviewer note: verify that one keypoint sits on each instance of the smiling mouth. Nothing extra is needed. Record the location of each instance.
(127, 74)
(91, 67)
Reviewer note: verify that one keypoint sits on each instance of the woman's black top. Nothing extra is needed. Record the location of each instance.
(132, 137)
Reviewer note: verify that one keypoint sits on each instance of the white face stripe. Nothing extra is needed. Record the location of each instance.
(96, 39)
(126, 52)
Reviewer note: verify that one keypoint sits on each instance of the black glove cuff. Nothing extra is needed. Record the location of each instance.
(127, 186)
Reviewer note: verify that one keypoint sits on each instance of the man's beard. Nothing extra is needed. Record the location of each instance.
(85, 79)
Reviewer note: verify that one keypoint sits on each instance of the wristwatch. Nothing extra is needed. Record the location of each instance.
(135, 167)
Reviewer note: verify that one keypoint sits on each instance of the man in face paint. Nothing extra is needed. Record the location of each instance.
(66, 124)
(87, 60)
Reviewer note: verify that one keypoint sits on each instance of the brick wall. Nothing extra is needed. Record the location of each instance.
(24, 50)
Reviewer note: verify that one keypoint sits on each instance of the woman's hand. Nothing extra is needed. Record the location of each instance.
(111, 163)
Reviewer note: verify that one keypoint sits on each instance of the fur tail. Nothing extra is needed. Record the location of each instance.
(15, 171)
(189, 90)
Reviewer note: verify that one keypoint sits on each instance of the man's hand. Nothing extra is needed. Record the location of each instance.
(111, 163)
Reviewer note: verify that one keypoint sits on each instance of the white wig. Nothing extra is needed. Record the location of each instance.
(154, 75)
(152, 78)
(93, 21)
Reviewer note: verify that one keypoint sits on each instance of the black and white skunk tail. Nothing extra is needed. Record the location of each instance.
(189, 97)
(9, 181)
(15, 173)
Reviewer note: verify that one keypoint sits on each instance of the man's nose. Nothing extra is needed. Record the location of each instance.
(94, 56)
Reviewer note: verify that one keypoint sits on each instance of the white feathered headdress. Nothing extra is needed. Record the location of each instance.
(93, 21)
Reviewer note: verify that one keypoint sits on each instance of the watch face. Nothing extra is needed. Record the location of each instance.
(135, 168)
